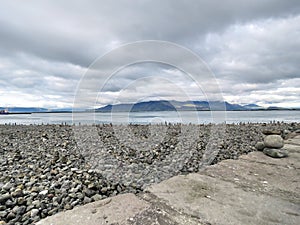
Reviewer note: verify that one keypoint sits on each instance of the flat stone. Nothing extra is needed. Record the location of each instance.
(276, 153)
(116, 210)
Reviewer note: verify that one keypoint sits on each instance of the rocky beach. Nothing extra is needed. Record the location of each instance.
(45, 169)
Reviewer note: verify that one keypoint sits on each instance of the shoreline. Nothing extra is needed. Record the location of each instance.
(45, 169)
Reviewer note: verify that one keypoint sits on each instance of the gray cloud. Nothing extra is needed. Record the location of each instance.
(46, 46)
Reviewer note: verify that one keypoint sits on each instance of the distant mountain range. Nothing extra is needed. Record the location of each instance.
(170, 106)
(183, 106)
(161, 105)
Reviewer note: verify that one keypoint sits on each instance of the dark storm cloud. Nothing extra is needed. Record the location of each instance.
(79, 31)
(50, 44)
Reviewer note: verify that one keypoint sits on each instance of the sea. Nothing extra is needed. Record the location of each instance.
(184, 117)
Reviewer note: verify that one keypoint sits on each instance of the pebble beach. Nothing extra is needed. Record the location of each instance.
(45, 169)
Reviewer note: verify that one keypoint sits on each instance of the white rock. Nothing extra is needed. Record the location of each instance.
(44, 192)
(34, 213)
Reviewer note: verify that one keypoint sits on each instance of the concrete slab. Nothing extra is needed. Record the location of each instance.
(117, 210)
(292, 148)
(292, 161)
(259, 177)
(220, 202)
(295, 140)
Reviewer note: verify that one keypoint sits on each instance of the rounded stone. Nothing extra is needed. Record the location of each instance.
(4, 197)
(260, 146)
(10, 216)
(34, 213)
(17, 193)
(273, 141)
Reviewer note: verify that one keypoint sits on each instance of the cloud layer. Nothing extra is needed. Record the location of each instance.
(253, 48)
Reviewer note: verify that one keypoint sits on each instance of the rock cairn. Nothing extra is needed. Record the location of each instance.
(273, 144)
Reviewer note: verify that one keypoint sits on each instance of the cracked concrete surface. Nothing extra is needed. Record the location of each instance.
(255, 189)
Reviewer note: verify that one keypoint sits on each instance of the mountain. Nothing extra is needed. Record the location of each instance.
(164, 105)
(276, 108)
(138, 107)
(252, 107)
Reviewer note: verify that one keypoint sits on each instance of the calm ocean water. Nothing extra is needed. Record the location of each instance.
(152, 117)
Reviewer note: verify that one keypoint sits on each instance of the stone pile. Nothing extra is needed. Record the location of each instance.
(44, 171)
(273, 144)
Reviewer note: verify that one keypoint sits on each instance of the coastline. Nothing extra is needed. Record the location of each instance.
(46, 169)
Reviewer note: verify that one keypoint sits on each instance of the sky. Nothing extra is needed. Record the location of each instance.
(252, 48)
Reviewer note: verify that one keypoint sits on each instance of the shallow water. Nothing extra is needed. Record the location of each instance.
(201, 117)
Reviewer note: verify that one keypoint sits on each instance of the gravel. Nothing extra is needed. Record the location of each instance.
(45, 169)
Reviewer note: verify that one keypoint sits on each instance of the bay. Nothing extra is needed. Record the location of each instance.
(185, 117)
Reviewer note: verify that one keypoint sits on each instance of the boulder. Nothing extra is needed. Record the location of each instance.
(275, 152)
(273, 141)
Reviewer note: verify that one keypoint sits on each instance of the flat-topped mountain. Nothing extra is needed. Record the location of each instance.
(164, 105)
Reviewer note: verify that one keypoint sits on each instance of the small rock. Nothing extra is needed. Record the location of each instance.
(21, 201)
(19, 209)
(97, 197)
(92, 186)
(52, 211)
(273, 141)
(3, 214)
(53, 172)
(74, 169)
(17, 193)
(285, 133)
(7, 186)
(10, 203)
(34, 213)
(104, 190)
(44, 192)
(11, 216)
(260, 146)
(36, 203)
(68, 207)
(276, 153)
(86, 200)
(4, 197)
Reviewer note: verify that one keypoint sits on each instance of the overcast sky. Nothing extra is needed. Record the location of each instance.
(252, 48)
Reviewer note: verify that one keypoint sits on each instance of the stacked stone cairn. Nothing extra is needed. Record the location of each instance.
(272, 145)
